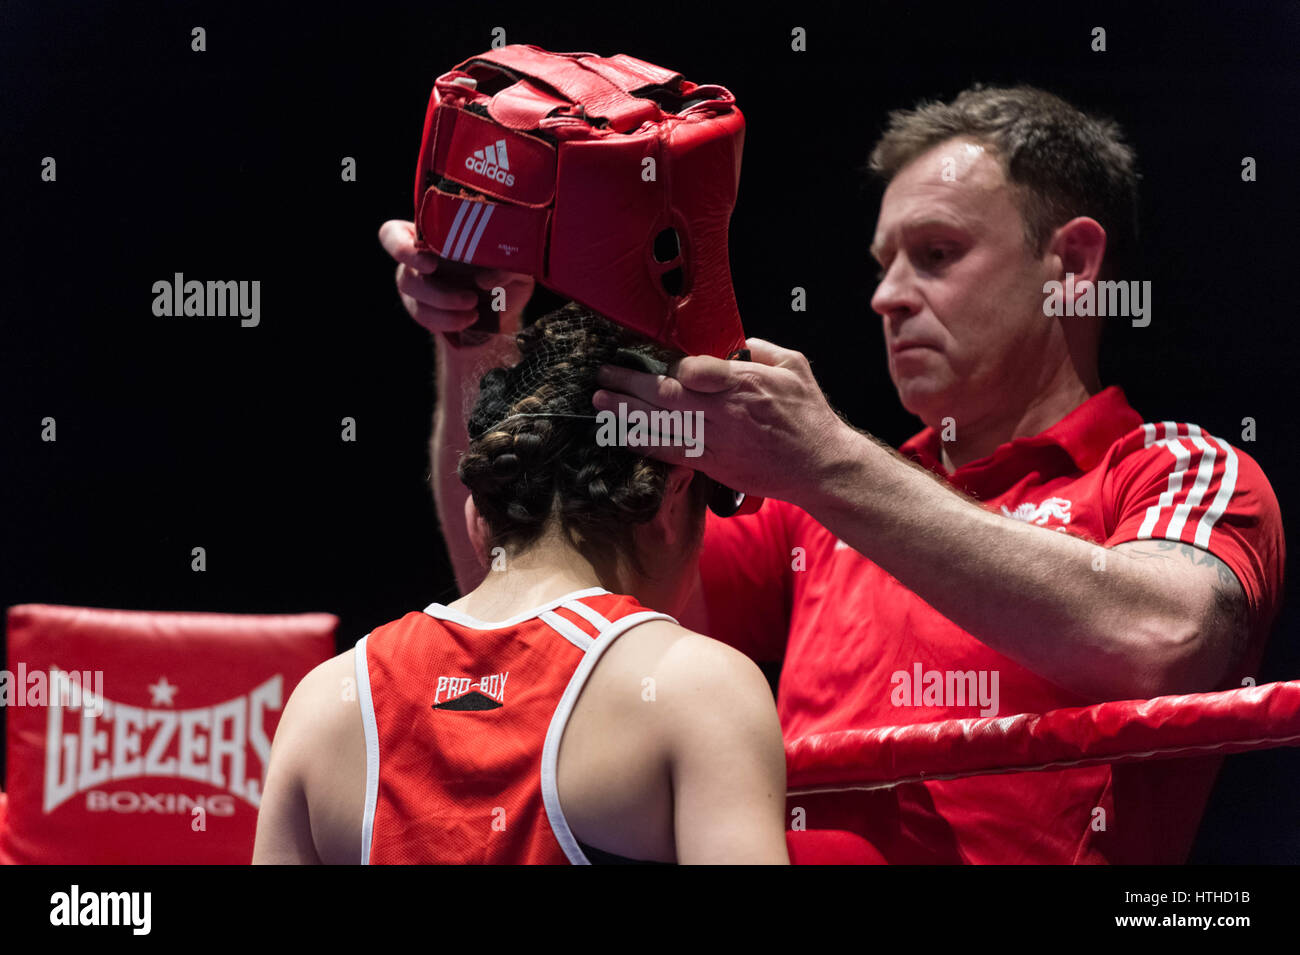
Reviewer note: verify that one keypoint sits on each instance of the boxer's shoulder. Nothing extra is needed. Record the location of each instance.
(681, 670)
(329, 755)
(323, 710)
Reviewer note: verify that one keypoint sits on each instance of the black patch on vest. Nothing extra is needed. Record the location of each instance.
(470, 701)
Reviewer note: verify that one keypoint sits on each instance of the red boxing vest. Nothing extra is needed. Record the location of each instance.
(463, 720)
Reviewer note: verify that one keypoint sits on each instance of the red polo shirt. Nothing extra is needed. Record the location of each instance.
(778, 586)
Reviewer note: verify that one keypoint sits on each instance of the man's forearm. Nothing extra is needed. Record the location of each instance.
(1038, 597)
(458, 374)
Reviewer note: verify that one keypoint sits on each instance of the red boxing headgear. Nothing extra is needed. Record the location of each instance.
(608, 179)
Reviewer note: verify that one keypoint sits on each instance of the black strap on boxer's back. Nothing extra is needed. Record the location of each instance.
(601, 857)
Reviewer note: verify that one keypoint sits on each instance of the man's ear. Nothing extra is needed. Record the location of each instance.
(1080, 244)
(1080, 248)
(477, 529)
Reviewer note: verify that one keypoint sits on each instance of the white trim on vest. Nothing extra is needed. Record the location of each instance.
(568, 630)
(560, 720)
(371, 729)
(465, 620)
(593, 617)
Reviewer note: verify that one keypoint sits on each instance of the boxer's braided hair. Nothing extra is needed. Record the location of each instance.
(533, 457)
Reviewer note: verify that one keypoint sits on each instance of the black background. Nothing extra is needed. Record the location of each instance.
(184, 432)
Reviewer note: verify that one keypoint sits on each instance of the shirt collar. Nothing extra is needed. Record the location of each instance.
(1084, 434)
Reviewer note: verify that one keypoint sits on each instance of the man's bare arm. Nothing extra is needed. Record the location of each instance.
(1140, 627)
(1141, 619)
(442, 308)
(457, 381)
(1227, 619)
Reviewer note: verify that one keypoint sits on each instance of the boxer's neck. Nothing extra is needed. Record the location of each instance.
(549, 569)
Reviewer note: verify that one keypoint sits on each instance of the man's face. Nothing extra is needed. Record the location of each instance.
(961, 293)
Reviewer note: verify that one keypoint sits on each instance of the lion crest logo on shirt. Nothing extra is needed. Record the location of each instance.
(1054, 508)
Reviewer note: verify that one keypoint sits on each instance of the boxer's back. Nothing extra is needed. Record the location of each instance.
(463, 720)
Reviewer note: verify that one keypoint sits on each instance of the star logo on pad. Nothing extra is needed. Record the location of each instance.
(162, 692)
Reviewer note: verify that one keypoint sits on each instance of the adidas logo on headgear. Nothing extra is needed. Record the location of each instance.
(491, 161)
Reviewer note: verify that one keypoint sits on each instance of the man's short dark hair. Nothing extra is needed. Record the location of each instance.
(1061, 162)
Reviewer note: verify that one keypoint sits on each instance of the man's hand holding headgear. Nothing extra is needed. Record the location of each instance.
(446, 307)
(768, 428)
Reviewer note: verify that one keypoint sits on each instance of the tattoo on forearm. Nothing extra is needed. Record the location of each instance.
(1195, 555)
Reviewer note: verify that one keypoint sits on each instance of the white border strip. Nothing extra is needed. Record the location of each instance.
(593, 617)
(551, 750)
(569, 631)
(372, 748)
(465, 620)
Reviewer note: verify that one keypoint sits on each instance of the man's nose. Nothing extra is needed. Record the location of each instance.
(896, 295)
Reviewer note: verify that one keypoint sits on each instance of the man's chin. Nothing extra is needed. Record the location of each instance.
(927, 400)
